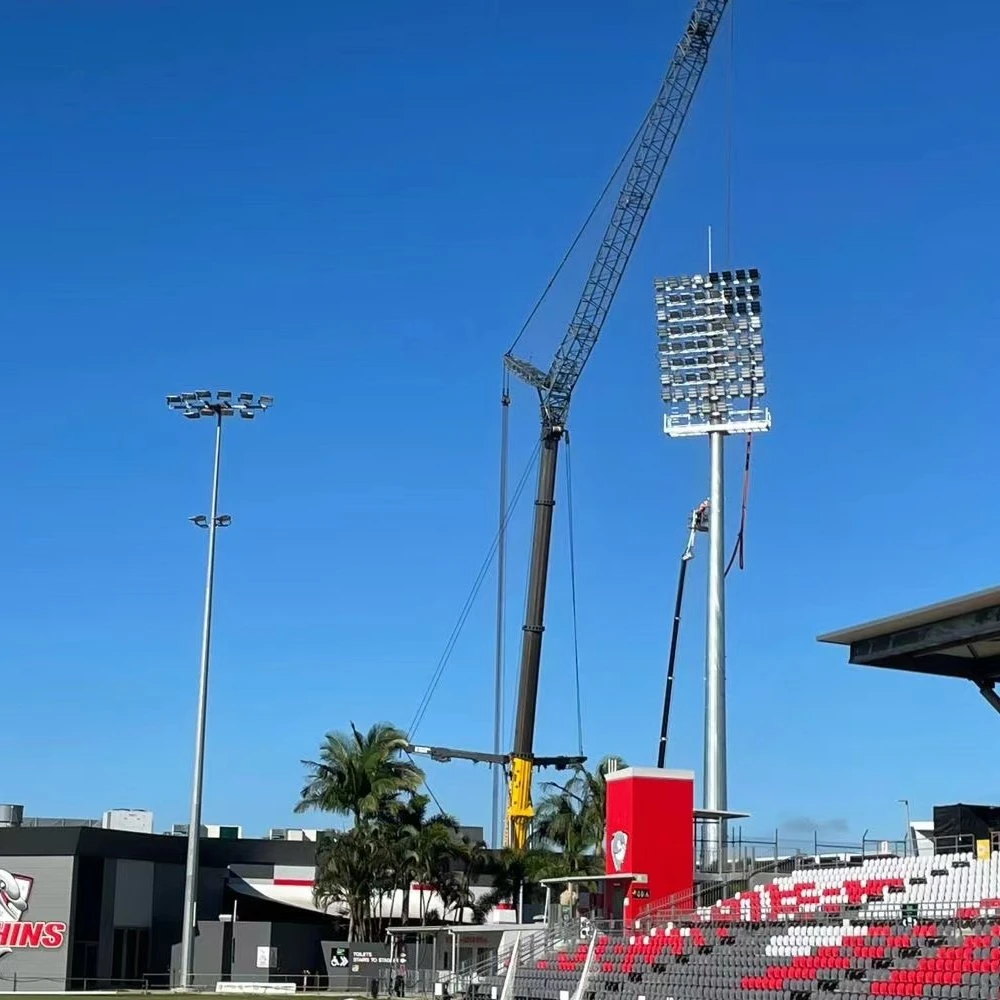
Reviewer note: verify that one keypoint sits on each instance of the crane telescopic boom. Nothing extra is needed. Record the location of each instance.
(555, 387)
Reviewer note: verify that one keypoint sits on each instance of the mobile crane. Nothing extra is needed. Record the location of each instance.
(555, 387)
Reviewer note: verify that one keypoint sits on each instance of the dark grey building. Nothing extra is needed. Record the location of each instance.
(89, 908)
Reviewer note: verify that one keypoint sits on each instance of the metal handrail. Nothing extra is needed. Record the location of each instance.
(535, 945)
(689, 899)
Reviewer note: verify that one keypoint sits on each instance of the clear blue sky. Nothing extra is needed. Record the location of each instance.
(352, 206)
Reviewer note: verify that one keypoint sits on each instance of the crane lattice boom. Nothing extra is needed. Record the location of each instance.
(656, 142)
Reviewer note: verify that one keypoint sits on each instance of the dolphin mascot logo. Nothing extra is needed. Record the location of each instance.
(13, 901)
(619, 845)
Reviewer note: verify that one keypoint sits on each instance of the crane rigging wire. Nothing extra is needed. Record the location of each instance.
(470, 600)
(501, 604)
(738, 553)
(499, 652)
(579, 236)
(738, 548)
(480, 577)
(730, 115)
(430, 791)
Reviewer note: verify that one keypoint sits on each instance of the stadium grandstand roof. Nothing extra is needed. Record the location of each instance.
(956, 638)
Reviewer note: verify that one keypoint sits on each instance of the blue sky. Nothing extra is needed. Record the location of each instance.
(352, 207)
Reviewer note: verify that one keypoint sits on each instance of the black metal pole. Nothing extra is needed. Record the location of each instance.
(988, 691)
(671, 660)
(534, 621)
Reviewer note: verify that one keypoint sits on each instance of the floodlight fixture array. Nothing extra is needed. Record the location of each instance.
(204, 403)
(711, 353)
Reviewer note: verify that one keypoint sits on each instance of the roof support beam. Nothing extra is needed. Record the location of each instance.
(979, 671)
(957, 631)
(989, 692)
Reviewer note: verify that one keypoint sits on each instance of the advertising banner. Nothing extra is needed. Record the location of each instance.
(17, 929)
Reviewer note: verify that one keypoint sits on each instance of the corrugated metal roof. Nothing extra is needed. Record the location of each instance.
(914, 619)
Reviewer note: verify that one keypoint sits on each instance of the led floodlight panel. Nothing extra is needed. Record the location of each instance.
(711, 352)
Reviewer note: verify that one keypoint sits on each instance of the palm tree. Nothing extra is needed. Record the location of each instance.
(515, 874)
(435, 846)
(563, 824)
(353, 868)
(572, 816)
(424, 844)
(469, 860)
(359, 774)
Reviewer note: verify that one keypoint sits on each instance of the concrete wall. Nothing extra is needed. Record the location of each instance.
(300, 948)
(223, 952)
(38, 969)
(249, 936)
(165, 930)
(133, 896)
(211, 955)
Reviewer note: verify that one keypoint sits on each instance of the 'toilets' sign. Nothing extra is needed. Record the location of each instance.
(15, 931)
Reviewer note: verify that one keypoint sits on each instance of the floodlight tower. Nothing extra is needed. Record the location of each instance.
(216, 407)
(712, 381)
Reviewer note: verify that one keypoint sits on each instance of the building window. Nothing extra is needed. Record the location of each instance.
(84, 966)
(130, 958)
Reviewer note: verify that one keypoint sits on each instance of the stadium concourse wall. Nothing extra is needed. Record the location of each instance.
(86, 908)
(649, 837)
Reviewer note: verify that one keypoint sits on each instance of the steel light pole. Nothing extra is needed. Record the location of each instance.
(712, 381)
(194, 406)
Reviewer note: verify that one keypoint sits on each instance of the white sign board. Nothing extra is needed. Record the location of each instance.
(267, 958)
(255, 987)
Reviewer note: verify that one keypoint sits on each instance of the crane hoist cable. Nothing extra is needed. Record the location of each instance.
(579, 236)
(730, 131)
(739, 547)
(430, 791)
(500, 633)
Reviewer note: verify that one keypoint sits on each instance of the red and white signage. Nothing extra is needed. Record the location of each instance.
(650, 835)
(15, 931)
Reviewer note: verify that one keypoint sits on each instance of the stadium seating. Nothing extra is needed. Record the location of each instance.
(876, 890)
(890, 927)
(904, 960)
